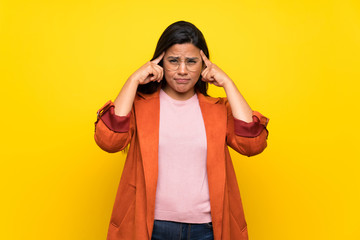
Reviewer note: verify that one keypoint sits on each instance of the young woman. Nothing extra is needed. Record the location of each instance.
(178, 180)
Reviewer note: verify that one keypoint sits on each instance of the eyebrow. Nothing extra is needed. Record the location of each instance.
(187, 58)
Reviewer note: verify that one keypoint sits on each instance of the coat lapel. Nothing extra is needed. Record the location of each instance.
(215, 119)
(147, 110)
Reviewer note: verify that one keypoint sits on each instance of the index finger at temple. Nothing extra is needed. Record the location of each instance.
(205, 59)
(158, 59)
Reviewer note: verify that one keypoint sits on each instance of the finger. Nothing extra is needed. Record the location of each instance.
(146, 80)
(151, 79)
(157, 69)
(209, 77)
(205, 74)
(160, 71)
(206, 79)
(153, 73)
(205, 59)
(158, 59)
(162, 74)
(211, 81)
(216, 83)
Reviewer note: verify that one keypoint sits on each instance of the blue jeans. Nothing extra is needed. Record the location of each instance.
(167, 230)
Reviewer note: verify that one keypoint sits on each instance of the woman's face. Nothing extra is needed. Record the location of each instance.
(182, 67)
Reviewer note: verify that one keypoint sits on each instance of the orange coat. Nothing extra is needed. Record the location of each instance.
(133, 212)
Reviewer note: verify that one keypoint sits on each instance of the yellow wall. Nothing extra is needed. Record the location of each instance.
(297, 62)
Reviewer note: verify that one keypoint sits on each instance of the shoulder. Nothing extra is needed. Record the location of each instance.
(146, 96)
(211, 100)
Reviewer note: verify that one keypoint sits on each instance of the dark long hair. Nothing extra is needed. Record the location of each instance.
(178, 33)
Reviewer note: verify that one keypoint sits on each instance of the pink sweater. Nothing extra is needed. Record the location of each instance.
(182, 193)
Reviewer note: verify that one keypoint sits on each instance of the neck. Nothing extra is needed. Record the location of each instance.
(182, 96)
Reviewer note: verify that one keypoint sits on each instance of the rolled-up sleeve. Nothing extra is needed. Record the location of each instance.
(251, 129)
(246, 138)
(112, 132)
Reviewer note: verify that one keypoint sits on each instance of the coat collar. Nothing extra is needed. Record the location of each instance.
(147, 109)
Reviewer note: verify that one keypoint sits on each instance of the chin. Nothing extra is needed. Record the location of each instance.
(183, 89)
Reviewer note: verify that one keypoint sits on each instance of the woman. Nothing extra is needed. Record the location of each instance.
(178, 180)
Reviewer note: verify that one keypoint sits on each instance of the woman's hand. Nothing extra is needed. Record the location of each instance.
(213, 74)
(149, 72)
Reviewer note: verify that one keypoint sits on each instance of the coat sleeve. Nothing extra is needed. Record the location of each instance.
(113, 133)
(248, 139)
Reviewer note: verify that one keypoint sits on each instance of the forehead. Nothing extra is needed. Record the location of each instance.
(183, 50)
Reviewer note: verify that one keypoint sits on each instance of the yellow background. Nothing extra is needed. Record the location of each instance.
(296, 62)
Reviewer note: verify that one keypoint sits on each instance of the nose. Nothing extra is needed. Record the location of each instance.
(182, 68)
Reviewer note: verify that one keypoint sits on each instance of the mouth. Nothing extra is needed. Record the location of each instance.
(182, 80)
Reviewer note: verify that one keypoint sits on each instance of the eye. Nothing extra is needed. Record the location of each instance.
(173, 61)
(191, 62)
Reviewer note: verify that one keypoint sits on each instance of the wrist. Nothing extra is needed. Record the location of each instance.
(134, 80)
(228, 83)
